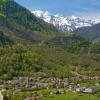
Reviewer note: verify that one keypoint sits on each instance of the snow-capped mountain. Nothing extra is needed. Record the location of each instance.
(64, 24)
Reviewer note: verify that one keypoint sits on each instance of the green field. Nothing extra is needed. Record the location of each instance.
(74, 96)
(48, 96)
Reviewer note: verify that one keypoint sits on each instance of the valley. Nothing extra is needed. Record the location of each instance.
(40, 62)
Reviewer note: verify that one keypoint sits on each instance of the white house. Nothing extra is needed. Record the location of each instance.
(91, 90)
(78, 89)
(88, 90)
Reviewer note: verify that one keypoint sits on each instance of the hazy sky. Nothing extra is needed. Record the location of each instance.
(83, 8)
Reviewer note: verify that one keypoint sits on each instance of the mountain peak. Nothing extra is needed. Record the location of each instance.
(64, 24)
(73, 17)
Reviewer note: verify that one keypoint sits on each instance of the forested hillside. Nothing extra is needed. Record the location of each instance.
(18, 22)
(70, 58)
(55, 54)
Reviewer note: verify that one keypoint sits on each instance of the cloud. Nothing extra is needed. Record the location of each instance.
(87, 15)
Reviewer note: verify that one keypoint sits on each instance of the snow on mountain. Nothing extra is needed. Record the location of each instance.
(64, 24)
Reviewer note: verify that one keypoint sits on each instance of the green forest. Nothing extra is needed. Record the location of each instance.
(68, 58)
(31, 47)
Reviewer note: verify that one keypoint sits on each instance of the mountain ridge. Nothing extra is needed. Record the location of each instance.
(64, 24)
(18, 22)
(93, 32)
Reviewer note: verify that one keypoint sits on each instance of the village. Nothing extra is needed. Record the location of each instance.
(55, 85)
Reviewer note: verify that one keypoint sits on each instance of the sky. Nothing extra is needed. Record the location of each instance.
(81, 8)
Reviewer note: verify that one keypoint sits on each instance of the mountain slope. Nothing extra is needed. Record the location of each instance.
(72, 43)
(92, 33)
(18, 22)
(64, 24)
(58, 58)
(4, 40)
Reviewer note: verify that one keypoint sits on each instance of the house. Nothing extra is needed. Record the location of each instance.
(12, 82)
(87, 90)
(78, 89)
(91, 90)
